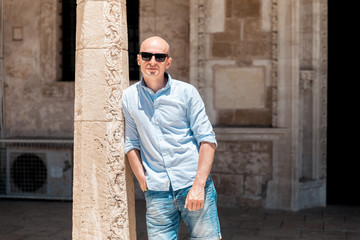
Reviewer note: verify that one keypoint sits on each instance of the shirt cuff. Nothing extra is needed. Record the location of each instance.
(209, 139)
(130, 146)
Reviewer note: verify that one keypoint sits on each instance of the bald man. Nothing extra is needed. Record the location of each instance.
(170, 145)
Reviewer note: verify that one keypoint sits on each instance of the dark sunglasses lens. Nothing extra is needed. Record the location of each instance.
(160, 57)
(146, 56)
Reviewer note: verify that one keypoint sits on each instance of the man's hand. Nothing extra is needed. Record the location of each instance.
(143, 185)
(134, 158)
(195, 198)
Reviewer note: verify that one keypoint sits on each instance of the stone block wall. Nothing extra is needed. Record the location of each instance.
(246, 34)
(246, 83)
(241, 171)
(36, 103)
(169, 20)
(260, 66)
(235, 73)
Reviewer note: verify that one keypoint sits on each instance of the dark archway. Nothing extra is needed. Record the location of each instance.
(343, 176)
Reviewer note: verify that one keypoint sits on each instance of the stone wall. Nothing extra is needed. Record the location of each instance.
(241, 172)
(233, 68)
(259, 66)
(243, 88)
(36, 103)
(169, 20)
(246, 166)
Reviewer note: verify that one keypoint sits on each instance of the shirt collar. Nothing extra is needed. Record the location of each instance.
(167, 86)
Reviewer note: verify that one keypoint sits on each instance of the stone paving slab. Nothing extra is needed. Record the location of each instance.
(51, 220)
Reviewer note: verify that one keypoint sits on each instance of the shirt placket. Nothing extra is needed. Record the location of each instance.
(161, 139)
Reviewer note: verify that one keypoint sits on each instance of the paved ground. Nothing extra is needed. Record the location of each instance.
(51, 220)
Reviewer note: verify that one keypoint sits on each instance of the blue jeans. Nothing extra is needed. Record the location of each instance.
(165, 209)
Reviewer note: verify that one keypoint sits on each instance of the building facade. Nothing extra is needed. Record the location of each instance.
(260, 66)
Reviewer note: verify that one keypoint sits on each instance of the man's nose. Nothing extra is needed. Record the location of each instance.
(152, 60)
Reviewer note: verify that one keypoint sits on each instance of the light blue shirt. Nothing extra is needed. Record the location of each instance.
(167, 127)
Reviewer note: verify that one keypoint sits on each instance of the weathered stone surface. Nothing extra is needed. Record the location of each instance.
(228, 8)
(94, 95)
(216, 16)
(284, 37)
(252, 185)
(91, 189)
(246, 8)
(228, 184)
(253, 49)
(253, 30)
(35, 103)
(89, 22)
(243, 162)
(155, 17)
(104, 205)
(242, 88)
(231, 33)
(252, 117)
(91, 85)
(242, 169)
(220, 49)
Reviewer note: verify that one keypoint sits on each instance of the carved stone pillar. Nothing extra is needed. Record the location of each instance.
(103, 192)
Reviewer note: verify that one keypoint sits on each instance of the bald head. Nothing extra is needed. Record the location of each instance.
(155, 42)
(153, 69)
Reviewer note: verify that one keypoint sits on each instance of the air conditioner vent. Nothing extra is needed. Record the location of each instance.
(36, 168)
(28, 172)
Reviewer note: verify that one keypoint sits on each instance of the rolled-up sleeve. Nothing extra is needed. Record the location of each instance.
(131, 133)
(199, 122)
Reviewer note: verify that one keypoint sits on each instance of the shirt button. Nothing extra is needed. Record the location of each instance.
(164, 154)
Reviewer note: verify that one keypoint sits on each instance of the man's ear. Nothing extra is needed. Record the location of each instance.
(168, 63)
(138, 59)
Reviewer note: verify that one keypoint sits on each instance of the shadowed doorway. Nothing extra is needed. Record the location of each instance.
(343, 176)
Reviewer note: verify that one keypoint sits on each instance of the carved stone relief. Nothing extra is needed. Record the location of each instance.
(323, 86)
(274, 60)
(117, 80)
(306, 140)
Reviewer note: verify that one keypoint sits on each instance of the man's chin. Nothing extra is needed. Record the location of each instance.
(152, 73)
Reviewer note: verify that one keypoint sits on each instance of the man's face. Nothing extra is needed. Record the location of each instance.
(153, 69)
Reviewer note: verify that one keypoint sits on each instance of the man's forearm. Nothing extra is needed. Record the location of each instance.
(206, 157)
(195, 198)
(137, 167)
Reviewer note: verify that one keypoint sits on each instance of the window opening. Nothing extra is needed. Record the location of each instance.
(132, 10)
(68, 37)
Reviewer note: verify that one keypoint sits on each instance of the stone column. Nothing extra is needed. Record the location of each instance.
(103, 192)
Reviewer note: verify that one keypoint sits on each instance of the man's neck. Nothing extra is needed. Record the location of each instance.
(156, 84)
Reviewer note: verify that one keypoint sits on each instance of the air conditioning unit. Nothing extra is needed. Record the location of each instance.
(39, 173)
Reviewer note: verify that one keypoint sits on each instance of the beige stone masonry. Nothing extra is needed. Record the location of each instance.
(35, 101)
(233, 85)
(103, 191)
(266, 68)
(169, 20)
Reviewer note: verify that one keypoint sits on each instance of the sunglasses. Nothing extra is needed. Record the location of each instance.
(160, 57)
